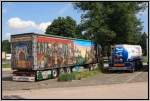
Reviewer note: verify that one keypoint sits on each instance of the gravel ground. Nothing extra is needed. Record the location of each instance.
(99, 79)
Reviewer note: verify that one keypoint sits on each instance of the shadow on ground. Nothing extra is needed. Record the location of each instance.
(145, 68)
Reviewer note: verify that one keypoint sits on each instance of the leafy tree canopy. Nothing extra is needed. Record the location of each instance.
(110, 23)
(64, 26)
(6, 46)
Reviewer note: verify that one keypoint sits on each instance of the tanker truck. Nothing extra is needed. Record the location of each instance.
(38, 57)
(125, 57)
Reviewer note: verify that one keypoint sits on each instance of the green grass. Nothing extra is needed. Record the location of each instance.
(145, 59)
(78, 75)
(6, 65)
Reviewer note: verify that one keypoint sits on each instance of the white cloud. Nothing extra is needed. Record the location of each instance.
(17, 23)
(66, 7)
(43, 26)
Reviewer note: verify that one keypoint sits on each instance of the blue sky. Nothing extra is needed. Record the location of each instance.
(22, 17)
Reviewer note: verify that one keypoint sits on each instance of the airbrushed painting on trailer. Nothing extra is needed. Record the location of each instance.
(59, 52)
(54, 52)
(84, 51)
(22, 53)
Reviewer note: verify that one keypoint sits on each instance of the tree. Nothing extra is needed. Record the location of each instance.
(6, 46)
(143, 43)
(66, 27)
(110, 23)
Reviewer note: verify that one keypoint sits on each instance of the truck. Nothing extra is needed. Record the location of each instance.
(125, 57)
(38, 57)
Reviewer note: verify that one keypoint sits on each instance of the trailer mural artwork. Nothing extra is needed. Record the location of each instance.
(60, 52)
(52, 53)
(23, 58)
(44, 75)
(84, 52)
(22, 54)
(39, 57)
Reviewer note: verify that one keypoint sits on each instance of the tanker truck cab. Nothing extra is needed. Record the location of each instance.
(126, 57)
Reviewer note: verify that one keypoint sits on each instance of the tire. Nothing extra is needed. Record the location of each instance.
(104, 70)
(54, 73)
(68, 70)
(139, 65)
(132, 70)
(61, 71)
(133, 67)
(91, 68)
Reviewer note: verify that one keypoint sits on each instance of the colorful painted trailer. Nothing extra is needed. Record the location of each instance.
(37, 56)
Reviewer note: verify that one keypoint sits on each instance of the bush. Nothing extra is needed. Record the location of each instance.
(66, 77)
(78, 75)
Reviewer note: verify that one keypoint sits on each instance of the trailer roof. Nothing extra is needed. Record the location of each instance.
(32, 33)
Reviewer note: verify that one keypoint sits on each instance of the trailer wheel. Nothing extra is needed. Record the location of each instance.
(61, 71)
(68, 70)
(54, 73)
(91, 67)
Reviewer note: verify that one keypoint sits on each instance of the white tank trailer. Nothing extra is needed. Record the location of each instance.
(126, 57)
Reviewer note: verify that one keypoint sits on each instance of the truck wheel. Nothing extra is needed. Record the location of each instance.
(54, 73)
(105, 70)
(68, 70)
(133, 67)
(61, 71)
(139, 65)
(132, 70)
(91, 67)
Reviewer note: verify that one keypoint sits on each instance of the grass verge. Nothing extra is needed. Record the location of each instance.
(145, 59)
(6, 66)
